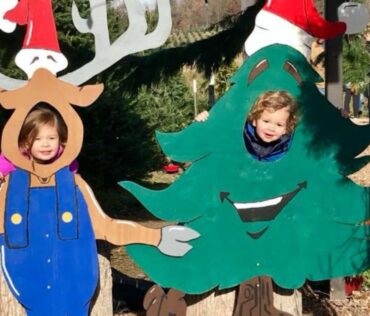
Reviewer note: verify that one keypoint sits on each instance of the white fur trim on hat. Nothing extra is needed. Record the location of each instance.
(5, 6)
(31, 59)
(271, 29)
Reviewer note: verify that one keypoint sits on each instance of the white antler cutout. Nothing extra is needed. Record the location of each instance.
(133, 40)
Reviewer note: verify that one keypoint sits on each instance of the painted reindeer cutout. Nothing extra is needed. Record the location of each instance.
(49, 217)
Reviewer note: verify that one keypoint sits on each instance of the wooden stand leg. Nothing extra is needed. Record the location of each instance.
(158, 303)
(253, 298)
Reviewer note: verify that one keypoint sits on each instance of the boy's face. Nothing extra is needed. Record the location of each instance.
(46, 144)
(271, 125)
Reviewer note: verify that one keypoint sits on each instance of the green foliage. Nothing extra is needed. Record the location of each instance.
(166, 106)
(366, 277)
(67, 34)
(120, 127)
(223, 74)
(356, 60)
(117, 23)
(117, 141)
(152, 20)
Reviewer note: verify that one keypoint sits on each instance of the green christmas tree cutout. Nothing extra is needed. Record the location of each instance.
(293, 219)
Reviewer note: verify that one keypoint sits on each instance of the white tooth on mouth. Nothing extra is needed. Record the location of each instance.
(258, 204)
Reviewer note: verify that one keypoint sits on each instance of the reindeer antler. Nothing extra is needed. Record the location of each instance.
(132, 41)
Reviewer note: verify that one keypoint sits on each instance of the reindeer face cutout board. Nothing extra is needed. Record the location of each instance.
(45, 87)
(49, 218)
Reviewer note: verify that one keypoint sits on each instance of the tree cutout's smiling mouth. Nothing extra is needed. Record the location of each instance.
(261, 211)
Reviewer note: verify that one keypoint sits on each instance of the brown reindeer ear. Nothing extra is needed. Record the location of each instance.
(82, 96)
(9, 99)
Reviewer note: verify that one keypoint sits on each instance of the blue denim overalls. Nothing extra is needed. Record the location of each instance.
(49, 256)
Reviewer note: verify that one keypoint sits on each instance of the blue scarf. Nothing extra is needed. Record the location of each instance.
(263, 151)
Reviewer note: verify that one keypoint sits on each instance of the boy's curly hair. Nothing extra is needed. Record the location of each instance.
(275, 100)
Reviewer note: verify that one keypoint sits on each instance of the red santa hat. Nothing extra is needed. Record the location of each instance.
(40, 46)
(291, 22)
(304, 14)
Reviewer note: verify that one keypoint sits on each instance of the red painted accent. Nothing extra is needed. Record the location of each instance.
(352, 284)
(171, 168)
(38, 16)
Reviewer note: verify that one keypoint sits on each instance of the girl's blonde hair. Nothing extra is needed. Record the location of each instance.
(275, 100)
(42, 114)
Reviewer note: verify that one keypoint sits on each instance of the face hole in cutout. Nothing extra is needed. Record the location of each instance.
(43, 134)
(269, 127)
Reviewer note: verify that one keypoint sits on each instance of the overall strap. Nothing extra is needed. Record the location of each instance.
(16, 209)
(67, 212)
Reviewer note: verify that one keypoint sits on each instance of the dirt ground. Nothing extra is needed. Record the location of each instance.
(314, 304)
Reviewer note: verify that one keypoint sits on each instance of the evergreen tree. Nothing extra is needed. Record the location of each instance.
(356, 60)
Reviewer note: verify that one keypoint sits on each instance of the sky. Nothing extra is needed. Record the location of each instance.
(149, 3)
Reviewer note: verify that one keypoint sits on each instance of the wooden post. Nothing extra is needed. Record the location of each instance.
(333, 59)
(334, 93)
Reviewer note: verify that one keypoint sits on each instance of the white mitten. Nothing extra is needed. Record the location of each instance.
(174, 240)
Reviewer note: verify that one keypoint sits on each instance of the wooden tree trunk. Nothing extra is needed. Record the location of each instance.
(102, 303)
(222, 303)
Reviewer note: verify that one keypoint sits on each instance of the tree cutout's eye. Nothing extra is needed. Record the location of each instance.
(293, 71)
(257, 69)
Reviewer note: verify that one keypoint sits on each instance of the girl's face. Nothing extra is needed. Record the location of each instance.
(271, 125)
(46, 144)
